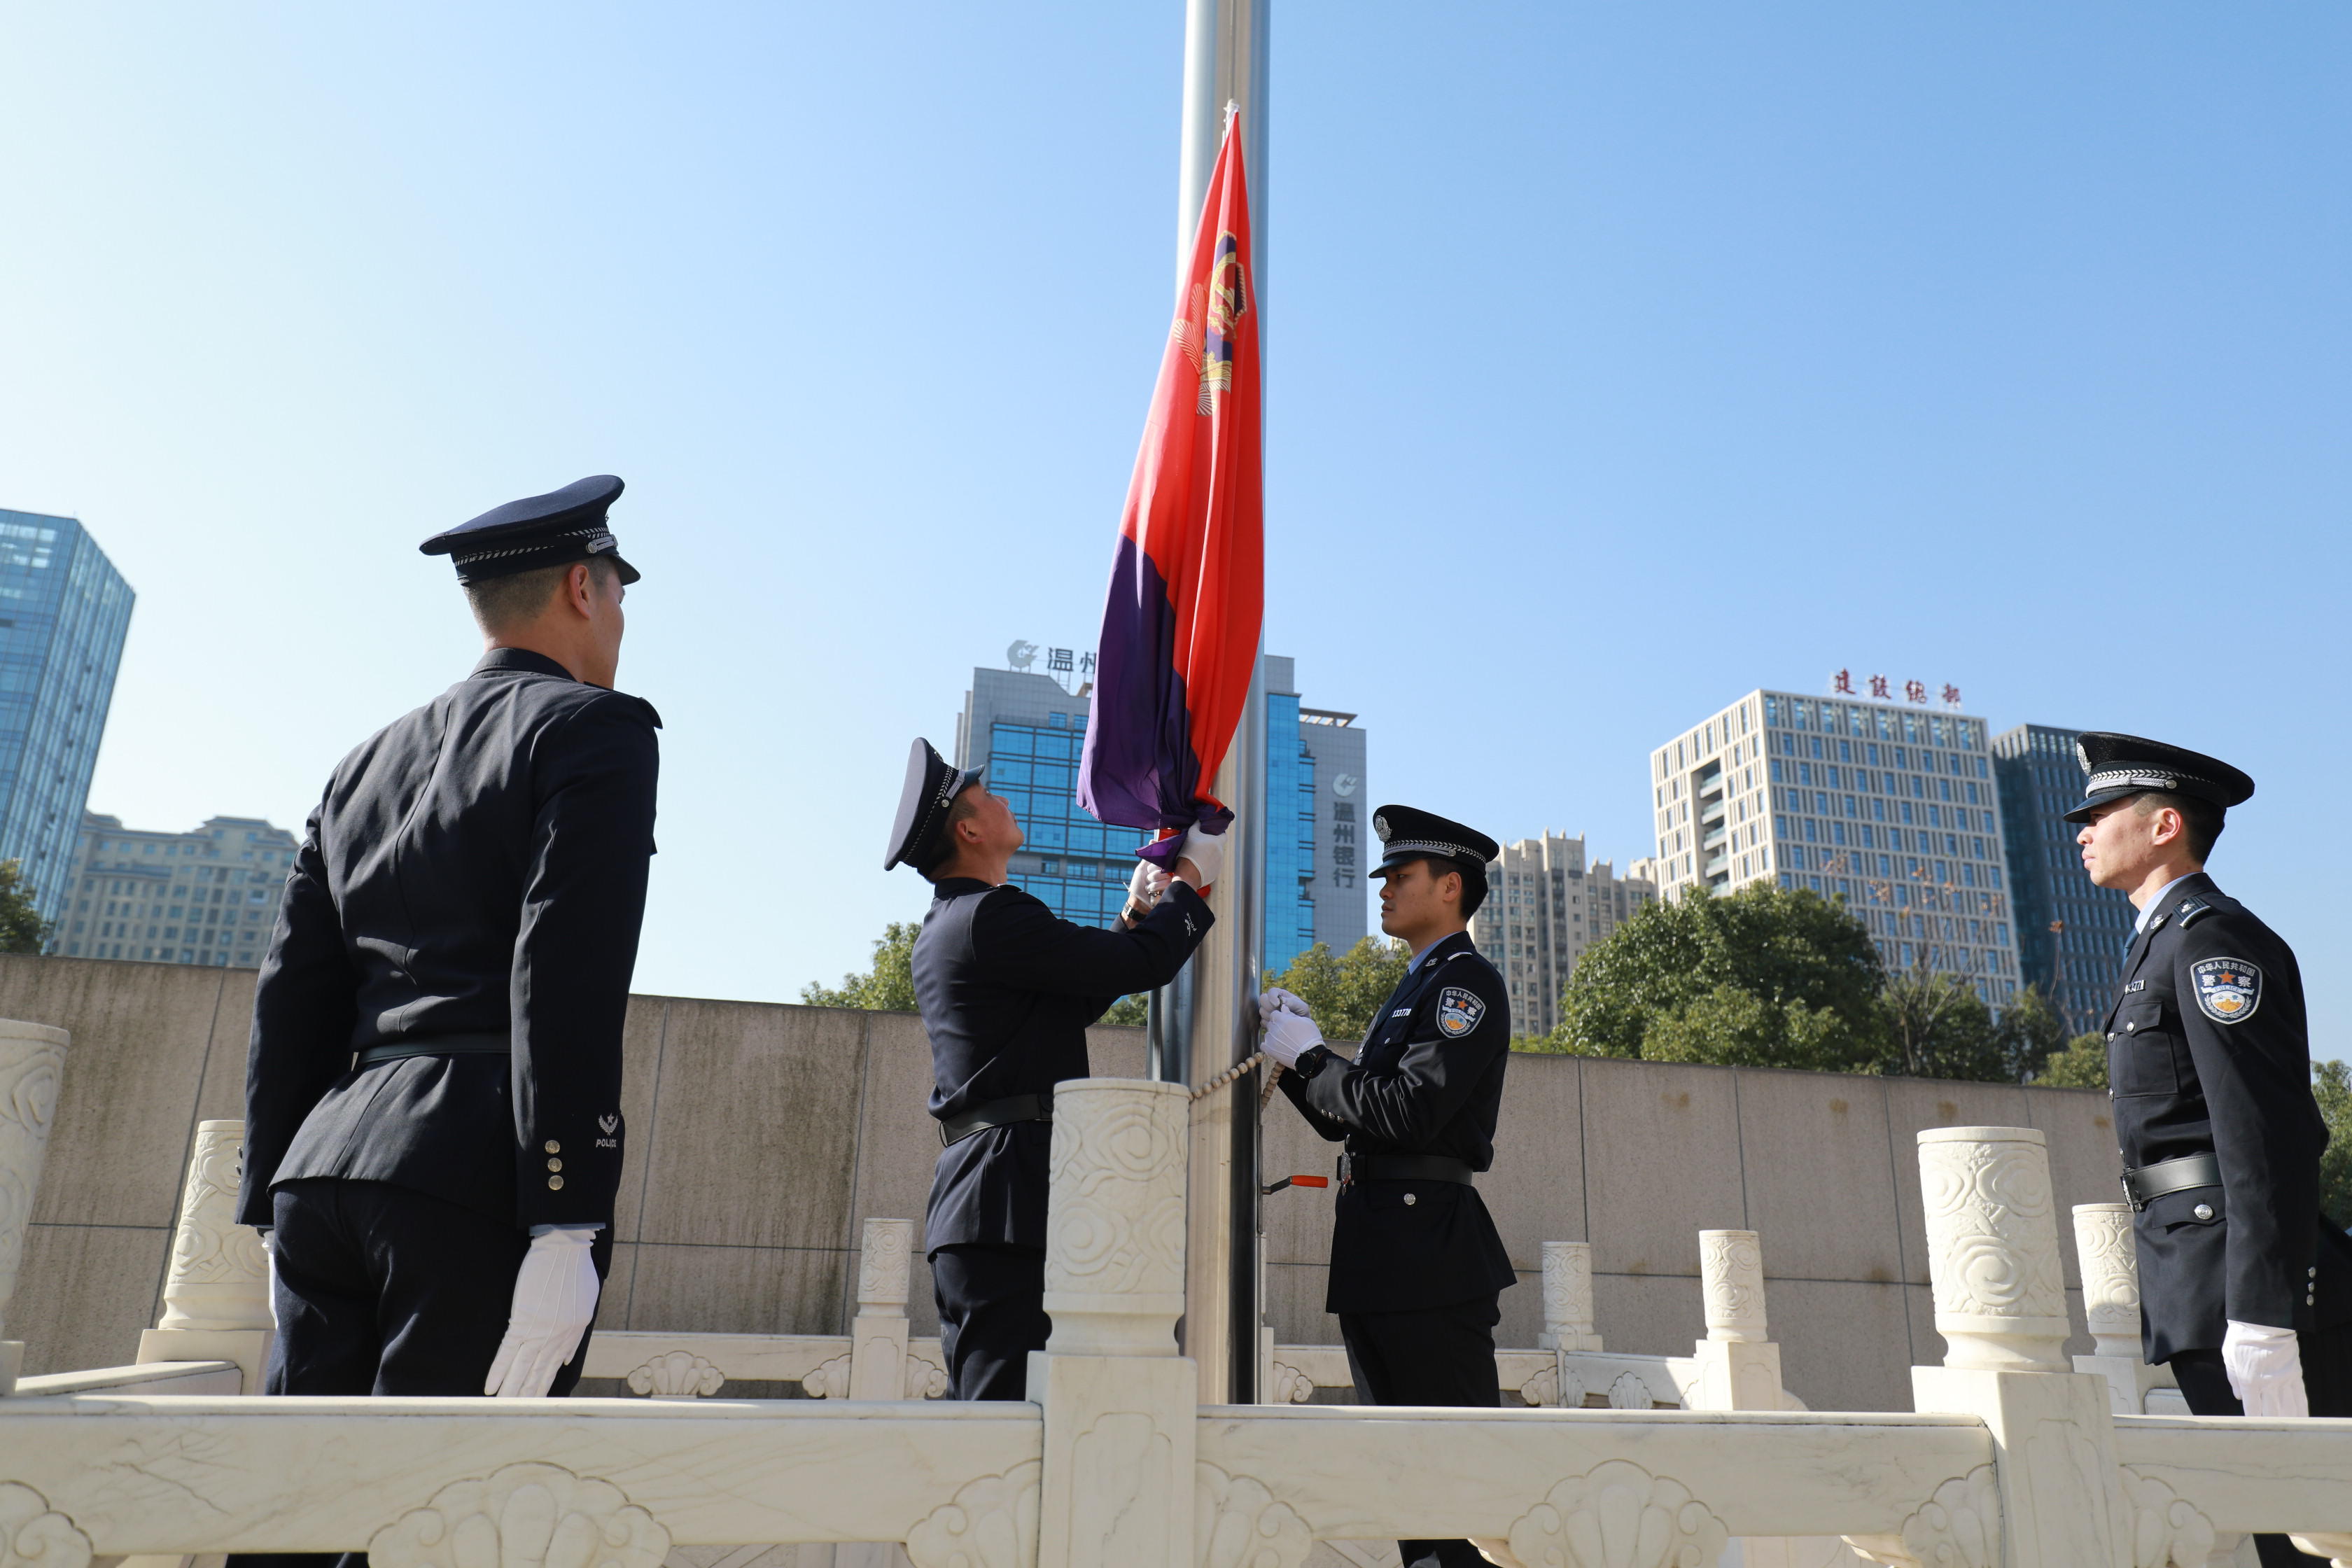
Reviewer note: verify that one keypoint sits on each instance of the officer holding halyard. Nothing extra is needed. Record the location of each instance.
(1007, 989)
(2245, 1286)
(1417, 1264)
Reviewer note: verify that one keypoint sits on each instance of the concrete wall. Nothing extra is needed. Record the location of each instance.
(763, 1136)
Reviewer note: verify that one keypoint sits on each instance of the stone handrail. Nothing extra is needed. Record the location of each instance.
(2012, 1459)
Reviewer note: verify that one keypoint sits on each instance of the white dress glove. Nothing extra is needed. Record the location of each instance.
(1277, 1000)
(554, 1301)
(2265, 1368)
(1145, 888)
(1206, 850)
(1290, 1036)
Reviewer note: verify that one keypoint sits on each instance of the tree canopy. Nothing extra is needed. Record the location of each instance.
(22, 928)
(1344, 991)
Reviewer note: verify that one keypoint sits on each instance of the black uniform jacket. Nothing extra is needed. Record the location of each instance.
(2229, 1075)
(1428, 1081)
(477, 868)
(1007, 989)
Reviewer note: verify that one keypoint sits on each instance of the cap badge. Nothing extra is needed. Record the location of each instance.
(1381, 825)
(1458, 1012)
(2228, 989)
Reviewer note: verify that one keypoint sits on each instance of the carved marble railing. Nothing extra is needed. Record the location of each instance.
(32, 1061)
(2011, 1458)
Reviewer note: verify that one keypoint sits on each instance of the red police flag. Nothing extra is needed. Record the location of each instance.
(1179, 629)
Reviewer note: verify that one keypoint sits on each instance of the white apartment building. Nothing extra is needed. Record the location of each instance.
(205, 896)
(1891, 807)
(1545, 905)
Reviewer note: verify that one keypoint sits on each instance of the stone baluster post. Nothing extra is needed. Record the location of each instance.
(2103, 1244)
(1568, 1297)
(216, 1286)
(1738, 1365)
(878, 1335)
(1121, 1404)
(32, 1061)
(2000, 1306)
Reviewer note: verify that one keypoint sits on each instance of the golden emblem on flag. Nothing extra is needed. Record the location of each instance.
(1206, 331)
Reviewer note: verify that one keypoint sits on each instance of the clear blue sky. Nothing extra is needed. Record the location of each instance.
(1622, 358)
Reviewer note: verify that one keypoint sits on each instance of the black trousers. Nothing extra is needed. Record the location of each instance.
(385, 1290)
(2326, 1383)
(991, 1300)
(1438, 1355)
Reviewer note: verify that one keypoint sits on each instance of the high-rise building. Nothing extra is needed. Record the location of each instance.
(2071, 932)
(1315, 823)
(1028, 730)
(205, 896)
(1545, 906)
(1888, 807)
(64, 612)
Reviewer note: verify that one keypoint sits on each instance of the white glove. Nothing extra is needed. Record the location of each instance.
(1141, 891)
(2265, 1368)
(1290, 1036)
(1206, 850)
(1280, 1001)
(554, 1301)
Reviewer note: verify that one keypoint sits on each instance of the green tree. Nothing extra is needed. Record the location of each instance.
(2332, 1087)
(1345, 992)
(2030, 1033)
(1938, 1026)
(1134, 1012)
(2082, 1064)
(1767, 977)
(22, 928)
(888, 986)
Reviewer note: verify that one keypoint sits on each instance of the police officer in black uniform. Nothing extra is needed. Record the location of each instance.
(1416, 1265)
(1007, 989)
(2245, 1285)
(433, 1087)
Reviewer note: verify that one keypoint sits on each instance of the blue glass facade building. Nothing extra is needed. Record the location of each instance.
(64, 613)
(1288, 929)
(2071, 932)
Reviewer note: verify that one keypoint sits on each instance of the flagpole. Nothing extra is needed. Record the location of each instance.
(1208, 1019)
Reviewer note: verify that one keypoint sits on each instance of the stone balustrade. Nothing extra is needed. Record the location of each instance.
(32, 1062)
(2010, 1458)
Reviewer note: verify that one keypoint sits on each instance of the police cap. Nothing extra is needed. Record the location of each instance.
(553, 530)
(2116, 766)
(1408, 834)
(931, 788)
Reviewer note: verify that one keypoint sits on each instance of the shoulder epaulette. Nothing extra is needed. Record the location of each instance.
(2193, 909)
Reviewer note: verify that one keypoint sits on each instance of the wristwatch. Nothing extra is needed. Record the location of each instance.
(1134, 912)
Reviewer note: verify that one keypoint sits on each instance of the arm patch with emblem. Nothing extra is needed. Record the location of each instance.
(1458, 1012)
(2228, 989)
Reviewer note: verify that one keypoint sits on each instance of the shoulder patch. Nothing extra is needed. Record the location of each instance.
(1458, 1012)
(2228, 989)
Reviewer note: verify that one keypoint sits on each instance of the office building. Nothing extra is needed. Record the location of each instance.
(1545, 906)
(64, 612)
(1028, 729)
(206, 897)
(2071, 932)
(1891, 807)
(1317, 824)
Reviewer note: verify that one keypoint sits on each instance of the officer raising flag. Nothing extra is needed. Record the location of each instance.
(2245, 1285)
(1417, 1264)
(1007, 989)
(433, 1087)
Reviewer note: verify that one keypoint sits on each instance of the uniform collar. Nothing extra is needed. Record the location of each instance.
(521, 658)
(2156, 906)
(957, 887)
(1460, 939)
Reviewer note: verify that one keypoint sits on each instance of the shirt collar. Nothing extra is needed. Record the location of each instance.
(521, 658)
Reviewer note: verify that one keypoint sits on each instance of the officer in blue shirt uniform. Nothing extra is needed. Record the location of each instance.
(433, 1082)
(2245, 1285)
(1417, 1264)
(1007, 989)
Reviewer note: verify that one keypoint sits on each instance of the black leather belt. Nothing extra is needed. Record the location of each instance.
(996, 1114)
(2149, 1182)
(1402, 1168)
(438, 1046)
